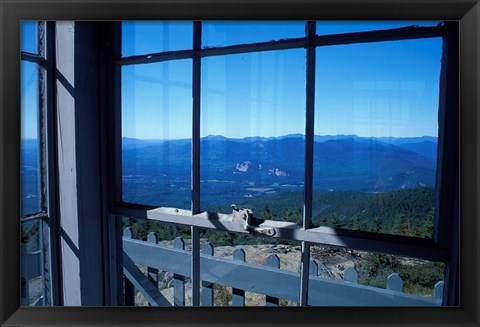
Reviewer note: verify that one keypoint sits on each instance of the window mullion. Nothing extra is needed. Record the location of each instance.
(50, 121)
(308, 182)
(197, 37)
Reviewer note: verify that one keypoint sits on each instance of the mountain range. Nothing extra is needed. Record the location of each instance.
(247, 167)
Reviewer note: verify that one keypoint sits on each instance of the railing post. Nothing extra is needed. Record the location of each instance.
(272, 261)
(129, 288)
(395, 283)
(178, 280)
(152, 272)
(207, 287)
(238, 295)
(350, 275)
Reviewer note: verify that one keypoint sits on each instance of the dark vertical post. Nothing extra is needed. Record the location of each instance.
(309, 126)
(197, 39)
(110, 33)
(309, 147)
(53, 237)
(197, 43)
(446, 227)
(304, 273)
(195, 266)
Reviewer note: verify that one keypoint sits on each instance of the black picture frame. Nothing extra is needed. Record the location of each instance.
(466, 11)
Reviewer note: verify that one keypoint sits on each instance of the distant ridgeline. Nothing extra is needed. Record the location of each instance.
(356, 179)
(360, 183)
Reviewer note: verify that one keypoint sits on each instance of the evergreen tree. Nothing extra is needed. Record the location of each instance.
(355, 224)
(265, 213)
(336, 222)
(376, 225)
(403, 226)
(428, 225)
(324, 222)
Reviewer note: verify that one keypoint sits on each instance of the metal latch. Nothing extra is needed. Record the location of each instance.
(251, 223)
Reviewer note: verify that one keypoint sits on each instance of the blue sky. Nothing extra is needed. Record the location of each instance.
(29, 83)
(374, 89)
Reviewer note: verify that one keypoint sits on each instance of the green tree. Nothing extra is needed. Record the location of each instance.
(428, 224)
(403, 226)
(336, 222)
(266, 213)
(376, 225)
(355, 224)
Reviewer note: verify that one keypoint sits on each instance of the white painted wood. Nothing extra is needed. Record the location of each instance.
(395, 283)
(258, 279)
(400, 245)
(67, 172)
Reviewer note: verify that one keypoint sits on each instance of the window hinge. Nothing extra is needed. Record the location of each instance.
(251, 223)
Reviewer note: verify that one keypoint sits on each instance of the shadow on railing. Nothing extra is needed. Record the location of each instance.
(269, 280)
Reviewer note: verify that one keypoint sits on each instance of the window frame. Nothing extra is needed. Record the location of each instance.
(46, 124)
(436, 249)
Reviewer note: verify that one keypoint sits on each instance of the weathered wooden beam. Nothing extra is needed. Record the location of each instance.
(141, 282)
(357, 240)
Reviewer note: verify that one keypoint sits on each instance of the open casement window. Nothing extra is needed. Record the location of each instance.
(38, 275)
(315, 154)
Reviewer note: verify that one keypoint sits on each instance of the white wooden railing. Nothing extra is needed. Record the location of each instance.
(266, 279)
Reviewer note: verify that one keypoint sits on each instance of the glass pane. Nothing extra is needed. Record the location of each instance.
(30, 178)
(225, 33)
(376, 130)
(29, 36)
(156, 133)
(162, 252)
(336, 27)
(234, 262)
(342, 277)
(144, 37)
(252, 129)
(32, 288)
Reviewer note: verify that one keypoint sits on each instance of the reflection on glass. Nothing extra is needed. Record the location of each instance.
(169, 267)
(226, 258)
(326, 27)
(376, 136)
(252, 125)
(32, 288)
(28, 34)
(225, 33)
(156, 133)
(144, 37)
(347, 273)
(30, 180)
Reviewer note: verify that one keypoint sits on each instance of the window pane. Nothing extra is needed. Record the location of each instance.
(29, 36)
(224, 33)
(251, 263)
(32, 288)
(156, 132)
(252, 129)
(144, 37)
(376, 136)
(342, 277)
(162, 252)
(30, 178)
(336, 27)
